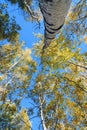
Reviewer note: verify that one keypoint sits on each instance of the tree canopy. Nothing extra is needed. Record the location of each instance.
(54, 83)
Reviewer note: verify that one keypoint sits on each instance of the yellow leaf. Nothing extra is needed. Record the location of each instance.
(85, 39)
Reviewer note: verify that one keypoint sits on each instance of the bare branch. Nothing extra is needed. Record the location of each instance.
(32, 14)
(20, 58)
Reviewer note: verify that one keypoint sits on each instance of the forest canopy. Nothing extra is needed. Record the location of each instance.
(53, 83)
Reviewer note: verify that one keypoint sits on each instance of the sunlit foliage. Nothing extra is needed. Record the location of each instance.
(61, 84)
(55, 80)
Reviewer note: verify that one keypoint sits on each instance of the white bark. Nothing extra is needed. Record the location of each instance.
(41, 114)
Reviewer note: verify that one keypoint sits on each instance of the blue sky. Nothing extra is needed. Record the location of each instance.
(27, 28)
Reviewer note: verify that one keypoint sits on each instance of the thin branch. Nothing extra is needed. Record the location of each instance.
(5, 56)
(33, 117)
(76, 84)
(30, 11)
(15, 63)
(8, 83)
(78, 65)
(32, 104)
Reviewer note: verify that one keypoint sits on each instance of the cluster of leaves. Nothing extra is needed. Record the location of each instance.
(11, 119)
(77, 18)
(8, 27)
(61, 84)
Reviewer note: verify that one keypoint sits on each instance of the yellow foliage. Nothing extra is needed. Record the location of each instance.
(84, 128)
(26, 52)
(28, 59)
(70, 103)
(25, 68)
(2, 77)
(25, 120)
(39, 35)
(9, 108)
(85, 39)
(7, 47)
(40, 78)
(48, 123)
(85, 105)
(77, 111)
(72, 15)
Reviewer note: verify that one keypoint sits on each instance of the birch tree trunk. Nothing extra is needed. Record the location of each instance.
(41, 113)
